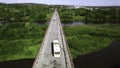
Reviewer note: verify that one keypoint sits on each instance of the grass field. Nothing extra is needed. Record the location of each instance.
(84, 39)
(20, 40)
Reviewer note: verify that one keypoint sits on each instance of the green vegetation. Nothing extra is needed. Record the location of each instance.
(100, 15)
(42, 13)
(69, 15)
(84, 39)
(20, 40)
(24, 13)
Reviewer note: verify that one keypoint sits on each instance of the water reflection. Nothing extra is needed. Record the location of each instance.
(106, 58)
(24, 63)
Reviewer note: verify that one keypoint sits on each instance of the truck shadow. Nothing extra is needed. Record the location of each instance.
(24, 63)
(108, 57)
(52, 51)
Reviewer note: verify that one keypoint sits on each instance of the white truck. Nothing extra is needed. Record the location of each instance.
(56, 48)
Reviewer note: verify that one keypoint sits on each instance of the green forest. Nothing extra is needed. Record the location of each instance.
(83, 39)
(91, 16)
(20, 40)
(42, 13)
(20, 36)
(24, 13)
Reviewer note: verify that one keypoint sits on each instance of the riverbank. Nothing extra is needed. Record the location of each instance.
(105, 58)
(84, 39)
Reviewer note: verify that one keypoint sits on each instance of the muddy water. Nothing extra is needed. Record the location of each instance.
(24, 63)
(108, 57)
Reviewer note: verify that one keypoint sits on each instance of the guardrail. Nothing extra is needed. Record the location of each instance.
(66, 44)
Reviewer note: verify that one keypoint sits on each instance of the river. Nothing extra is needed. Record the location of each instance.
(108, 57)
(73, 23)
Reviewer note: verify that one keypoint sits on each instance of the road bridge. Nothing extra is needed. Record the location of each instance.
(45, 58)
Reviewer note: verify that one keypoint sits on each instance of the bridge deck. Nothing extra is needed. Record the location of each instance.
(45, 58)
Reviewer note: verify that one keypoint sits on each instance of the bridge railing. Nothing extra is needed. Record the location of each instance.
(66, 44)
(69, 54)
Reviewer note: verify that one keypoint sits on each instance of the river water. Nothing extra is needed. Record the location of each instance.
(23, 63)
(106, 58)
(73, 23)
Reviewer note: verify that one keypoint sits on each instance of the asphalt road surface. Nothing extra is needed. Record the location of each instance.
(45, 58)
